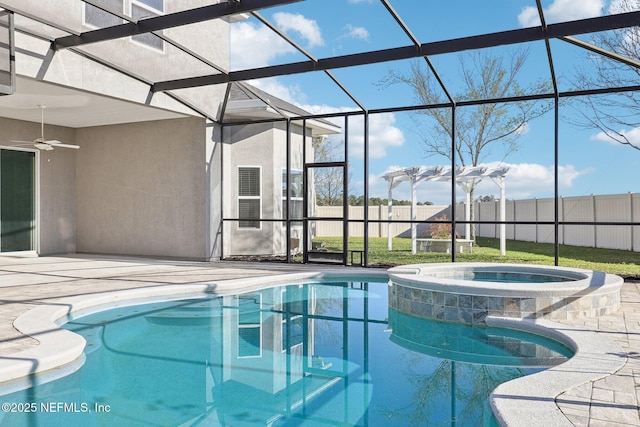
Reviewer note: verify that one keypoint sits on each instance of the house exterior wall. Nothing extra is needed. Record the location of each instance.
(57, 185)
(142, 189)
(264, 146)
(150, 188)
(251, 146)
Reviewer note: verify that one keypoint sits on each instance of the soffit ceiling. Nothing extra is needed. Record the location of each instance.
(73, 108)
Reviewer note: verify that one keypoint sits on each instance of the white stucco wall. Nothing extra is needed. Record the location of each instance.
(57, 188)
(142, 189)
(149, 188)
(262, 145)
(210, 39)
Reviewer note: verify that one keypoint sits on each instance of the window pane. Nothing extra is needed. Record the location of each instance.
(297, 332)
(156, 4)
(249, 310)
(249, 209)
(296, 183)
(249, 182)
(249, 341)
(99, 18)
(147, 39)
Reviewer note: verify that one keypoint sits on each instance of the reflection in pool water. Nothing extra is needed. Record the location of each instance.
(310, 354)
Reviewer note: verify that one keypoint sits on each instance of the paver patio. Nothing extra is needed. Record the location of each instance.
(26, 283)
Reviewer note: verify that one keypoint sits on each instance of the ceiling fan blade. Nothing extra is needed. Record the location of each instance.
(43, 144)
(55, 143)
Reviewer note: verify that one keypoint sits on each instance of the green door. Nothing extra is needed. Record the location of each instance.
(17, 200)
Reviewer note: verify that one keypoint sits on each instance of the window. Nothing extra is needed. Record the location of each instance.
(295, 191)
(138, 9)
(141, 9)
(249, 200)
(99, 18)
(250, 325)
(292, 306)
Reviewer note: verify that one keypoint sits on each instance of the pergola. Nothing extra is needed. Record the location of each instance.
(465, 177)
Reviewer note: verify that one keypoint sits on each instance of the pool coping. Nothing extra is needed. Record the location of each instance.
(584, 282)
(531, 400)
(528, 400)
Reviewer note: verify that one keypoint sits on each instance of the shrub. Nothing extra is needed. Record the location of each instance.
(443, 230)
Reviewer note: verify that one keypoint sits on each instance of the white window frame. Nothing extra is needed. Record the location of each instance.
(141, 4)
(84, 15)
(283, 324)
(257, 326)
(259, 197)
(299, 199)
(127, 5)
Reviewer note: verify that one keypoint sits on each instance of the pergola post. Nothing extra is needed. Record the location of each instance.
(414, 226)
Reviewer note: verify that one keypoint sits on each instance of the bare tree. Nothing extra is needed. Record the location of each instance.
(616, 114)
(329, 181)
(479, 128)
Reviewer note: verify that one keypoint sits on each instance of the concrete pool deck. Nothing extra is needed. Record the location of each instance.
(26, 283)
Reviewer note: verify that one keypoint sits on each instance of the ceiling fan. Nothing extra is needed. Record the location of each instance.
(46, 144)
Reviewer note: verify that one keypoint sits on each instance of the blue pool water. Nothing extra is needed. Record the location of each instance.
(504, 276)
(317, 354)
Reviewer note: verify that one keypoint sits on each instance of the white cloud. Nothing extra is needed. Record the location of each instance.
(254, 45)
(383, 135)
(308, 29)
(633, 136)
(293, 93)
(526, 180)
(523, 181)
(523, 129)
(352, 32)
(562, 10)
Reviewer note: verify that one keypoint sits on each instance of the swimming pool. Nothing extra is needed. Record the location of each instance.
(312, 353)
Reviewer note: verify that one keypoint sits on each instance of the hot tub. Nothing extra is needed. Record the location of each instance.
(468, 292)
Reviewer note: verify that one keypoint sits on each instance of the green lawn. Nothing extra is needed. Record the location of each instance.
(624, 263)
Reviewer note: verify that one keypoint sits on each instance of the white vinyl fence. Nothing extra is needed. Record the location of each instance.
(602, 208)
(400, 213)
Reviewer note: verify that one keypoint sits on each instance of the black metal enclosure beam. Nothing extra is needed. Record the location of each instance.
(170, 20)
(524, 35)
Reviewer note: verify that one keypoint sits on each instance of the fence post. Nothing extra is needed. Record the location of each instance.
(535, 205)
(631, 219)
(595, 218)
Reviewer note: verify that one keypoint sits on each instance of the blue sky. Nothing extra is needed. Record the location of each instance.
(589, 163)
